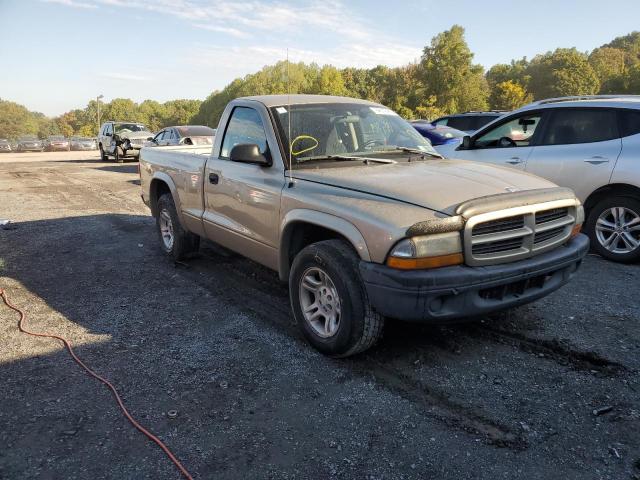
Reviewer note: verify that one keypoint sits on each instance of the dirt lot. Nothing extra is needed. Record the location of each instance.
(516, 396)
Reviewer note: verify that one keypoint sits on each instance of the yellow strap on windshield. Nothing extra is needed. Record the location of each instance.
(302, 137)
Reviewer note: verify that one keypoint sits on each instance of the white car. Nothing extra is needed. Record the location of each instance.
(590, 144)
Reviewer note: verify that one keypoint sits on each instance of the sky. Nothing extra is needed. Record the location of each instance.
(56, 55)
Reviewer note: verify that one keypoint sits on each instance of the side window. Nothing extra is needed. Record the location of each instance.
(158, 136)
(517, 132)
(245, 126)
(569, 126)
(629, 122)
(461, 123)
(442, 121)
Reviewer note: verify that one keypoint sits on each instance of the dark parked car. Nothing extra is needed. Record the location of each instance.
(469, 122)
(438, 134)
(5, 146)
(56, 143)
(83, 143)
(29, 143)
(184, 135)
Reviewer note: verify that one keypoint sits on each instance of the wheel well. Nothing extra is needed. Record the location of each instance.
(621, 189)
(299, 235)
(156, 190)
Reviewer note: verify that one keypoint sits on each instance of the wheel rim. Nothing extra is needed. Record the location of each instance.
(166, 229)
(320, 302)
(618, 230)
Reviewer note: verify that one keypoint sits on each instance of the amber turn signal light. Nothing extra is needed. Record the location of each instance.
(425, 262)
(576, 230)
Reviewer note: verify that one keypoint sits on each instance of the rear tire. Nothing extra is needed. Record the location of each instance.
(175, 241)
(103, 156)
(613, 225)
(329, 301)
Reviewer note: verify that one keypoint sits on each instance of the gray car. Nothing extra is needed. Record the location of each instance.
(5, 146)
(184, 135)
(29, 143)
(83, 143)
(590, 144)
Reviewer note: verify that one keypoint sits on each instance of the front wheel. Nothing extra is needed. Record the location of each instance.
(613, 226)
(174, 240)
(329, 300)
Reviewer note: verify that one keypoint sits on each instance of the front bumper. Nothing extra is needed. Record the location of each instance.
(451, 293)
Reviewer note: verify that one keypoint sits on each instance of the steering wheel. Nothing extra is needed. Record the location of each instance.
(506, 142)
(372, 143)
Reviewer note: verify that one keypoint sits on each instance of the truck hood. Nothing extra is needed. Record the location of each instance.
(439, 185)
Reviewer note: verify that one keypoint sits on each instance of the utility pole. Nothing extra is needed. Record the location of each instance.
(98, 99)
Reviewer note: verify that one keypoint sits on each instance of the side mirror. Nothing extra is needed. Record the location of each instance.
(150, 139)
(467, 142)
(107, 134)
(249, 153)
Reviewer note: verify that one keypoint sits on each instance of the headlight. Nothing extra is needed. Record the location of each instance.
(427, 251)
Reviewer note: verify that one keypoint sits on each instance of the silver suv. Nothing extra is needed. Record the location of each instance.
(590, 144)
(122, 139)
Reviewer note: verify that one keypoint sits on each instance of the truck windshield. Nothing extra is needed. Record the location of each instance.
(330, 130)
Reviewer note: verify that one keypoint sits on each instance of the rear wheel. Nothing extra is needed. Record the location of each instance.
(613, 225)
(329, 300)
(175, 241)
(103, 155)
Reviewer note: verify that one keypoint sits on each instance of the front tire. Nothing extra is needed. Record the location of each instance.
(175, 241)
(613, 225)
(329, 301)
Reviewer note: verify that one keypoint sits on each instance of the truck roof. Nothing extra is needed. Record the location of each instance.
(301, 99)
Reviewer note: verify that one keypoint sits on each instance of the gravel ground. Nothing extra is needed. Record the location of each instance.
(547, 391)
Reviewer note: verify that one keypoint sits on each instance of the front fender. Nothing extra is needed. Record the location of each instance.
(331, 222)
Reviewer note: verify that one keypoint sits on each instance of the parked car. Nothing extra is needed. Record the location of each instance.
(438, 134)
(83, 143)
(56, 143)
(184, 135)
(29, 143)
(5, 146)
(122, 139)
(364, 220)
(589, 144)
(469, 122)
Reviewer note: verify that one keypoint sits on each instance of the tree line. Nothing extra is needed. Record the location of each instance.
(444, 80)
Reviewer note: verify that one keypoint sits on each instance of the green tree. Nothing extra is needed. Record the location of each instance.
(610, 67)
(630, 45)
(509, 95)
(17, 120)
(448, 73)
(566, 71)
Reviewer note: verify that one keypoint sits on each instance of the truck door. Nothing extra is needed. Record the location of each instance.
(242, 201)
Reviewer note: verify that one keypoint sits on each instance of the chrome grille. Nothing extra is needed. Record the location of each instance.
(516, 233)
(550, 215)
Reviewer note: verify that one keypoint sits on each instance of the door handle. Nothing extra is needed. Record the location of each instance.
(214, 178)
(597, 160)
(515, 160)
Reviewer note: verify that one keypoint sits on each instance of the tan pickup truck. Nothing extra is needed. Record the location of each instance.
(363, 219)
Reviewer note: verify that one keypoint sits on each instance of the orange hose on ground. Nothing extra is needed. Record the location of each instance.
(126, 413)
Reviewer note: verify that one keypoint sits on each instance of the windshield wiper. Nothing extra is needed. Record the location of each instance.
(346, 158)
(414, 150)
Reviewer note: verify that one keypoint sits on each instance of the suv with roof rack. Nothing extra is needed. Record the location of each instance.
(588, 143)
(469, 122)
